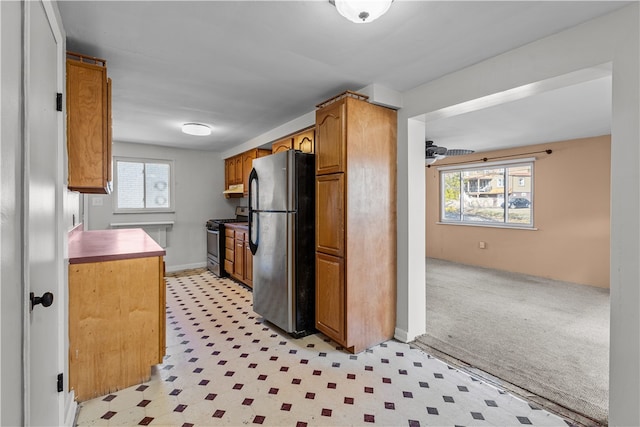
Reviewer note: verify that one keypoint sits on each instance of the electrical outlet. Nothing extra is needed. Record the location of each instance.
(483, 245)
(96, 201)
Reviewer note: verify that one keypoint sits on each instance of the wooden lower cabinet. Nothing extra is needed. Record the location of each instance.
(116, 324)
(238, 265)
(238, 257)
(330, 295)
(248, 263)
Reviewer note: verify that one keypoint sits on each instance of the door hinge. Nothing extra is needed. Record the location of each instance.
(58, 102)
(60, 383)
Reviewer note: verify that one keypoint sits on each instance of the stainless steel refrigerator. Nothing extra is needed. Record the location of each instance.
(282, 240)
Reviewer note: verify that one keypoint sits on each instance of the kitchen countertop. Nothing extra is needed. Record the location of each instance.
(111, 245)
(237, 224)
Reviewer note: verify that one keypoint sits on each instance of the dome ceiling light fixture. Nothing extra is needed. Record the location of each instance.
(197, 129)
(362, 11)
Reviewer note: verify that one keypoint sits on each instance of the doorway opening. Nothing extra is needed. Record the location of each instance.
(529, 309)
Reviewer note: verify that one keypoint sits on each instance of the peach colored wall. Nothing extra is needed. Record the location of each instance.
(571, 217)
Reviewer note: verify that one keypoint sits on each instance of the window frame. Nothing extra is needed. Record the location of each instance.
(145, 161)
(530, 161)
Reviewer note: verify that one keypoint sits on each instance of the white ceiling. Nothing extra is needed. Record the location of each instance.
(246, 67)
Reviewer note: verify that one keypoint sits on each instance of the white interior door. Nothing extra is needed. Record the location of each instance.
(43, 257)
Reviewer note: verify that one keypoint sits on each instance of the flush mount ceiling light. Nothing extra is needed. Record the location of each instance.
(197, 129)
(362, 11)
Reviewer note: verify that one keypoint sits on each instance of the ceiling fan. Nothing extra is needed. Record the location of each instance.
(433, 152)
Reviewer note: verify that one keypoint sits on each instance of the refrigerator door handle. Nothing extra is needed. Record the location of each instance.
(253, 245)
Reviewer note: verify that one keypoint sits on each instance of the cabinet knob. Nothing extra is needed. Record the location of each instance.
(46, 299)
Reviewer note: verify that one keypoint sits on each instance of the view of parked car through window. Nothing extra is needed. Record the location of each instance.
(477, 194)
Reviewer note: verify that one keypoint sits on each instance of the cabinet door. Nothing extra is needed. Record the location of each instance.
(304, 141)
(330, 297)
(238, 264)
(330, 145)
(238, 169)
(330, 232)
(248, 265)
(282, 145)
(247, 165)
(229, 172)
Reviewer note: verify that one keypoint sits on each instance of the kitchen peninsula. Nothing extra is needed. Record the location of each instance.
(116, 310)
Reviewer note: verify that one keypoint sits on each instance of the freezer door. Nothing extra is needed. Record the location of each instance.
(273, 269)
(272, 183)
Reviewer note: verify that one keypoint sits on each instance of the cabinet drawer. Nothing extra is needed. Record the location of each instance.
(228, 242)
(228, 254)
(228, 232)
(228, 266)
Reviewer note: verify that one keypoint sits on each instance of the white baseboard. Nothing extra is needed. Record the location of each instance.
(71, 409)
(174, 268)
(401, 335)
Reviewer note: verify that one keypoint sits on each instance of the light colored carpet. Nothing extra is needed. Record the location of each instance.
(545, 336)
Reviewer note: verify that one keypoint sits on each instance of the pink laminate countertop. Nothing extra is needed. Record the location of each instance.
(111, 245)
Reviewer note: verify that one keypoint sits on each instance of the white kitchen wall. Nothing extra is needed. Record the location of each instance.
(199, 182)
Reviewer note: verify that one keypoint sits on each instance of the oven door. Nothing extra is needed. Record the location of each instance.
(213, 251)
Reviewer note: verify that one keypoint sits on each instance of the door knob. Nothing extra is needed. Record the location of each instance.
(46, 299)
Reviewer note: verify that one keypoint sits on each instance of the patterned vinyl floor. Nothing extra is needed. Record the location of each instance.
(226, 366)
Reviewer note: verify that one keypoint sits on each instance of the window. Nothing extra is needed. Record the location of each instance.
(143, 185)
(499, 193)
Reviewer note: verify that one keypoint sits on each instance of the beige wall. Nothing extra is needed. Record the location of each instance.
(571, 217)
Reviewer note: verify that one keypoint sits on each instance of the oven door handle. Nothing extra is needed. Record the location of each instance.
(253, 245)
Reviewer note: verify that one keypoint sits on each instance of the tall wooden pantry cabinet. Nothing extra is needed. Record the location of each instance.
(355, 221)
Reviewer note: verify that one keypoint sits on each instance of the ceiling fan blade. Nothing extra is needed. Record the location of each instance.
(458, 152)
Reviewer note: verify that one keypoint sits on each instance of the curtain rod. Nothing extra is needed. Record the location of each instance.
(485, 159)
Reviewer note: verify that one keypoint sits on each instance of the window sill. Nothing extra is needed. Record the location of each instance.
(467, 224)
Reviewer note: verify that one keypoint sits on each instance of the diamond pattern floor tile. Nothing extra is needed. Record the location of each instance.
(226, 366)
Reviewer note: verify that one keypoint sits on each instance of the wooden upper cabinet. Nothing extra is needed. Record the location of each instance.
(305, 141)
(330, 144)
(88, 124)
(284, 144)
(229, 172)
(238, 169)
(247, 164)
